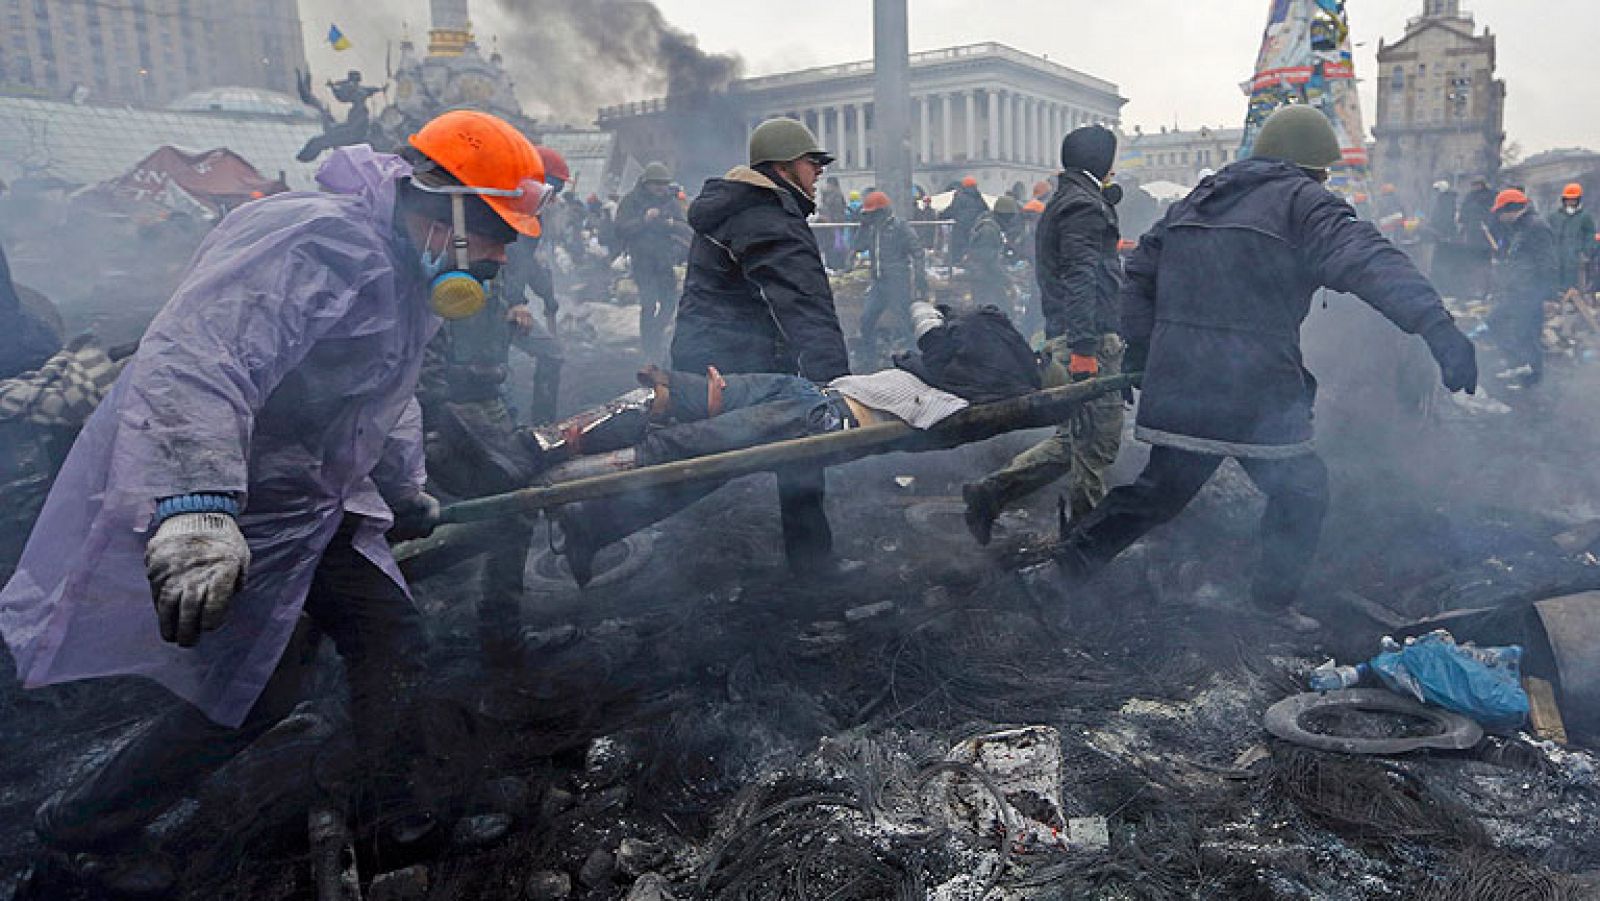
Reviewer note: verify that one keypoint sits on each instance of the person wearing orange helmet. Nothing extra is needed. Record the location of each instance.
(244, 471)
(894, 255)
(966, 208)
(1574, 231)
(1524, 277)
(470, 429)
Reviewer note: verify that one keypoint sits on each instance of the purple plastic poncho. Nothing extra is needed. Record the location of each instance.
(282, 369)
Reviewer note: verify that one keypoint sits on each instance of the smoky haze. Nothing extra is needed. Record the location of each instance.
(569, 59)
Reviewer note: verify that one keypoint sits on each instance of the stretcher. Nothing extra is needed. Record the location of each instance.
(468, 526)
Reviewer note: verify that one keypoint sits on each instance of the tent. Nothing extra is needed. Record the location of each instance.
(940, 201)
(214, 181)
(1165, 191)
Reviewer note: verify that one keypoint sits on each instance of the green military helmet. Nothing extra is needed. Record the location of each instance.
(1301, 135)
(657, 173)
(784, 140)
(1006, 205)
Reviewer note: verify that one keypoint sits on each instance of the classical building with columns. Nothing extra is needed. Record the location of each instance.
(984, 110)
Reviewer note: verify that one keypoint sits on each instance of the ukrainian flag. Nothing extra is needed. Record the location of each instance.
(337, 38)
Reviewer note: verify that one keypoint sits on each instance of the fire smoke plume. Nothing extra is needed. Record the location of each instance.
(571, 58)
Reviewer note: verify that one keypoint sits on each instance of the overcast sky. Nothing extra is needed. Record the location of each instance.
(1177, 61)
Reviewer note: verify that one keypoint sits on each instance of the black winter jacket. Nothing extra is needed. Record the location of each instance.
(896, 252)
(654, 242)
(756, 297)
(1078, 269)
(1527, 267)
(1217, 292)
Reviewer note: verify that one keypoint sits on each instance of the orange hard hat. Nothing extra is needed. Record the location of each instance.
(1508, 197)
(1033, 206)
(876, 200)
(969, 182)
(1041, 188)
(1573, 191)
(492, 160)
(555, 165)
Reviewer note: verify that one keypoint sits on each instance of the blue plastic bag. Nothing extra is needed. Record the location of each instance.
(1482, 683)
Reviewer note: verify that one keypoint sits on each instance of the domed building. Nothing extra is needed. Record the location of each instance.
(242, 101)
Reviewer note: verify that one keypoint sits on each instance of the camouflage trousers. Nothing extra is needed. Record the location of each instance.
(1083, 449)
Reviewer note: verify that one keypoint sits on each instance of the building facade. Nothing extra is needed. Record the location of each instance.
(1176, 156)
(984, 110)
(1441, 111)
(147, 52)
(1543, 175)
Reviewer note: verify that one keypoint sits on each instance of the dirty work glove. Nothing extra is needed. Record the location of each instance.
(1081, 367)
(1457, 358)
(196, 563)
(415, 518)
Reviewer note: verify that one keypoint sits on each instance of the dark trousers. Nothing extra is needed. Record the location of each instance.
(1518, 327)
(378, 634)
(658, 302)
(1297, 501)
(891, 296)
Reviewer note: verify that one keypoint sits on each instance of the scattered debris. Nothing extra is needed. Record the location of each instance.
(868, 611)
(409, 884)
(548, 885)
(481, 830)
(1368, 721)
(637, 856)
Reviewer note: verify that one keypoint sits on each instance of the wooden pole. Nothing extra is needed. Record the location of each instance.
(1037, 410)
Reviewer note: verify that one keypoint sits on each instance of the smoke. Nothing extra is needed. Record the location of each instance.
(571, 58)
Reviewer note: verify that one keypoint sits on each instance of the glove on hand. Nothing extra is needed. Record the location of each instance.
(415, 518)
(196, 563)
(1083, 366)
(1457, 358)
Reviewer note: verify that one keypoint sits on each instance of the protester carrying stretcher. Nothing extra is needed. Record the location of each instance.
(247, 464)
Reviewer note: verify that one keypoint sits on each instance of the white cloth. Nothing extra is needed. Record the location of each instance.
(902, 394)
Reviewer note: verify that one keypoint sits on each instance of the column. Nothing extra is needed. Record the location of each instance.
(1039, 155)
(1030, 122)
(839, 132)
(1005, 126)
(1018, 132)
(972, 124)
(1037, 121)
(821, 113)
(925, 137)
(994, 124)
(861, 135)
(946, 151)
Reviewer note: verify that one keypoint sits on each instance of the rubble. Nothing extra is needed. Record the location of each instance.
(548, 885)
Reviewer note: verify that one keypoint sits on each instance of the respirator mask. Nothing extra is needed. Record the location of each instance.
(457, 286)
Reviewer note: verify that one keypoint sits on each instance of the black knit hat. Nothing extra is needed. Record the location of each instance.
(1092, 148)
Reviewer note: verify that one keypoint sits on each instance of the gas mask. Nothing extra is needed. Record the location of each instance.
(1112, 193)
(457, 286)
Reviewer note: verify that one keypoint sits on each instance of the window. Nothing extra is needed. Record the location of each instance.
(1398, 81)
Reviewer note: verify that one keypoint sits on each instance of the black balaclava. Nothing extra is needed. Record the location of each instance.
(1092, 148)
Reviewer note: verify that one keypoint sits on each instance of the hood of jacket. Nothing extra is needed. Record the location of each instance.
(737, 191)
(361, 171)
(1231, 186)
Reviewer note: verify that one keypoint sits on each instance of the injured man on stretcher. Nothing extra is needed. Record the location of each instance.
(972, 357)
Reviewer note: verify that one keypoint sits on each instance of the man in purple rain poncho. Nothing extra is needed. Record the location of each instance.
(246, 465)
